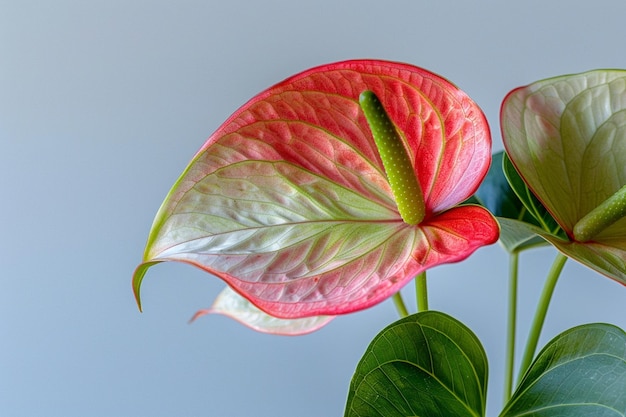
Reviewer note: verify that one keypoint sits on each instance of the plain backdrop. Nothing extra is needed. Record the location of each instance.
(103, 104)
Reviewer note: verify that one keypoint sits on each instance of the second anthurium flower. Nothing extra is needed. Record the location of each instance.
(289, 202)
(566, 136)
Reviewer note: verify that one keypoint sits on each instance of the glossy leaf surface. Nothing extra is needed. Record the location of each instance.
(495, 193)
(580, 373)
(537, 213)
(427, 364)
(231, 304)
(566, 137)
(601, 258)
(288, 201)
(516, 235)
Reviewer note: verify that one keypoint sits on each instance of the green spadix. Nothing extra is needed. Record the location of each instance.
(608, 212)
(398, 167)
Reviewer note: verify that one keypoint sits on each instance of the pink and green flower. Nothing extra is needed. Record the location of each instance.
(289, 202)
(565, 137)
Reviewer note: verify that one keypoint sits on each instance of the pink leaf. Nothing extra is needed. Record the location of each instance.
(231, 304)
(288, 201)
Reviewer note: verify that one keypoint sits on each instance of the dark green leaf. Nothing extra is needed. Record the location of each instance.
(580, 373)
(497, 196)
(517, 236)
(540, 215)
(427, 364)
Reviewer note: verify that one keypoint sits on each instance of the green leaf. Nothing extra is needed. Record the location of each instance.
(495, 193)
(539, 216)
(516, 235)
(427, 364)
(607, 258)
(580, 373)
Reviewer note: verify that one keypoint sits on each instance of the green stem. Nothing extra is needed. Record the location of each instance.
(540, 313)
(511, 327)
(400, 306)
(421, 292)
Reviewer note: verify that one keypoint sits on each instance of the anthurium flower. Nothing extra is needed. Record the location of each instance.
(289, 203)
(566, 136)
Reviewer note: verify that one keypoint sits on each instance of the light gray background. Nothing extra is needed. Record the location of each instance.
(102, 104)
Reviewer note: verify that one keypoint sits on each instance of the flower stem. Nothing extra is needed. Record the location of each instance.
(511, 326)
(540, 313)
(421, 292)
(400, 306)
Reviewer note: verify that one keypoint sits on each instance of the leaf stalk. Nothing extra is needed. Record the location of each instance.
(540, 313)
(512, 325)
(421, 292)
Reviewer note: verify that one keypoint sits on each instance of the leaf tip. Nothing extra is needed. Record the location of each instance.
(138, 275)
